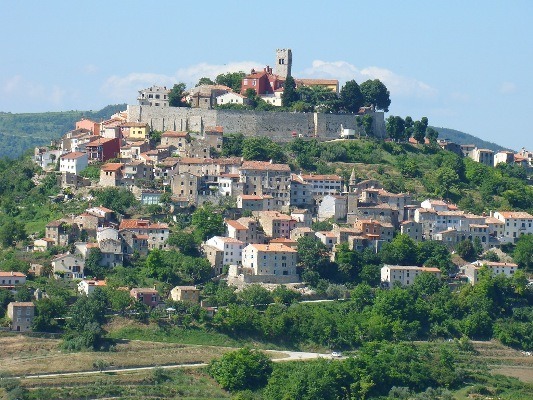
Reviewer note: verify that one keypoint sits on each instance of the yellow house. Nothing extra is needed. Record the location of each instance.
(136, 130)
(331, 84)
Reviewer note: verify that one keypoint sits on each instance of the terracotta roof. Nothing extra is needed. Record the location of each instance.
(99, 141)
(275, 215)
(495, 263)
(275, 247)
(322, 177)
(22, 304)
(12, 273)
(134, 125)
(55, 223)
(492, 220)
(140, 224)
(311, 82)
(515, 214)
(143, 290)
(327, 234)
(73, 155)
(236, 225)
(111, 167)
(186, 287)
(218, 129)
(255, 197)
(227, 239)
(283, 240)
(430, 269)
(265, 165)
(174, 134)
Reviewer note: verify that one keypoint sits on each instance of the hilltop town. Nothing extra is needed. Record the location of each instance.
(209, 214)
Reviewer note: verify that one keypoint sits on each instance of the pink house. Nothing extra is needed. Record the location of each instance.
(148, 296)
(85, 123)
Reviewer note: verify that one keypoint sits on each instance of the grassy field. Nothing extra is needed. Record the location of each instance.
(495, 371)
(22, 355)
(174, 384)
(121, 328)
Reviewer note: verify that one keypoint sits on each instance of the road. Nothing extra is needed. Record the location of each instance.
(290, 356)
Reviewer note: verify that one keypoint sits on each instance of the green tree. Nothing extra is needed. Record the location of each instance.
(11, 231)
(176, 96)
(207, 222)
(351, 97)
(241, 369)
(419, 131)
(232, 145)
(408, 128)
(185, 242)
(92, 264)
(117, 199)
(402, 250)
(523, 252)
(375, 94)
(205, 81)
(261, 148)
(395, 127)
(365, 122)
(466, 250)
(253, 98)
(231, 79)
(432, 134)
(313, 255)
(289, 95)
(254, 295)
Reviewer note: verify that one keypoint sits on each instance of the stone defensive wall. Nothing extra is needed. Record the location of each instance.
(279, 126)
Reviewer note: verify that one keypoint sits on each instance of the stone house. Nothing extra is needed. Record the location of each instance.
(251, 202)
(157, 232)
(274, 263)
(189, 294)
(111, 174)
(133, 242)
(265, 178)
(230, 248)
(62, 232)
(275, 224)
(247, 230)
(21, 315)
(517, 223)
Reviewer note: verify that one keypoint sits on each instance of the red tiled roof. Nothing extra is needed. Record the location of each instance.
(174, 134)
(236, 225)
(111, 167)
(515, 214)
(73, 155)
(12, 273)
(273, 247)
(322, 177)
(264, 165)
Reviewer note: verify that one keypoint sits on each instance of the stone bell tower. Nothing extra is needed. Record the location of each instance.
(283, 62)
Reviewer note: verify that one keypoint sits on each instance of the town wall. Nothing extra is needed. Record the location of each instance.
(279, 126)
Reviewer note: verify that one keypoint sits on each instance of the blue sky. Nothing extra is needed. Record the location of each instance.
(465, 65)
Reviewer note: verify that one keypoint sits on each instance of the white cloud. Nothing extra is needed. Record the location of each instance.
(343, 71)
(507, 88)
(124, 88)
(90, 69)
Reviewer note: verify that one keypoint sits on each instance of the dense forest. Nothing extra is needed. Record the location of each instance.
(21, 132)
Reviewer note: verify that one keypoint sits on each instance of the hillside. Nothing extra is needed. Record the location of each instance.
(21, 132)
(465, 138)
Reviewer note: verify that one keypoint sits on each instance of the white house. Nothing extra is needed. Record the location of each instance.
(68, 266)
(333, 206)
(86, 287)
(74, 162)
(471, 271)
(229, 252)
(231, 98)
(270, 259)
(404, 274)
(517, 223)
(10, 279)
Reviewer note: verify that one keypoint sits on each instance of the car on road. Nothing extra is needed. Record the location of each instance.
(336, 354)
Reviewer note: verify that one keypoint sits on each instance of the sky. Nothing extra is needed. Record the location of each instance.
(466, 65)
